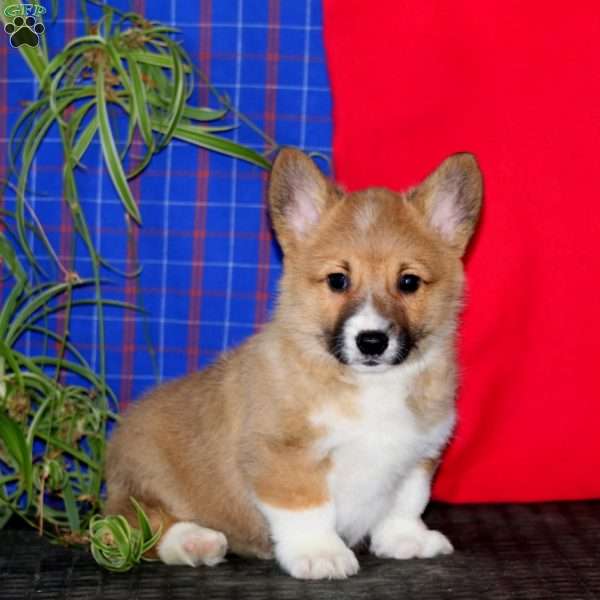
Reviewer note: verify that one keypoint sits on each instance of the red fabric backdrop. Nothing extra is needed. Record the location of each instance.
(518, 84)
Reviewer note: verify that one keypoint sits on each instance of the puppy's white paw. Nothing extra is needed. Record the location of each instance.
(325, 557)
(189, 544)
(404, 540)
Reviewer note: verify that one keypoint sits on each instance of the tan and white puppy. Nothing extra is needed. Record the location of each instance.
(324, 428)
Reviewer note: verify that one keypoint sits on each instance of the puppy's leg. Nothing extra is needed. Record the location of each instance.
(306, 544)
(187, 543)
(401, 533)
(292, 492)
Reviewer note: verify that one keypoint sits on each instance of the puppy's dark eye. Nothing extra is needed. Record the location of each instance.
(408, 284)
(338, 282)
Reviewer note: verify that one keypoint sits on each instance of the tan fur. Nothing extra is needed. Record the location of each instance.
(433, 395)
(203, 447)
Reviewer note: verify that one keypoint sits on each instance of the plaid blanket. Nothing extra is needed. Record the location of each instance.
(210, 266)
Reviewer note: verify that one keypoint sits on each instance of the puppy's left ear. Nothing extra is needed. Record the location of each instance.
(450, 199)
(299, 195)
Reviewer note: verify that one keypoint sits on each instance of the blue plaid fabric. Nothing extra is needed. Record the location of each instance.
(210, 265)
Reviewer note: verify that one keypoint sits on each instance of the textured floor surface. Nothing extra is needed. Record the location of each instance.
(548, 552)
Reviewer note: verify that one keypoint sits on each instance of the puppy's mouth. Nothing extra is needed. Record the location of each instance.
(367, 341)
(347, 352)
(370, 366)
(371, 363)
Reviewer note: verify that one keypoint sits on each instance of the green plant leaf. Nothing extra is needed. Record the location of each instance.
(79, 148)
(20, 320)
(143, 520)
(177, 102)
(89, 302)
(30, 149)
(8, 308)
(39, 415)
(116, 545)
(69, 449)
(57, 338)
(16, 141)
(66, 365)
(16, 446)
(53, 94)
(106, 20)
(140, 101)
(117, 64)
(204, 114)
(205, 128)
(77, 46)
(71, 506)
(212, 142)
(174, 49)
(7, 354)
(157, 60)
(85, 139)
(10, 259)
(190, 112)
(111, 156)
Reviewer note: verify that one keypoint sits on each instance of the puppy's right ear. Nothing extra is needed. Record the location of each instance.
(299, 194)
(450, 199)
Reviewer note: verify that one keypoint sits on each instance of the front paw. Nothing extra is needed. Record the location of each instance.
(324, 557)
(404, 540)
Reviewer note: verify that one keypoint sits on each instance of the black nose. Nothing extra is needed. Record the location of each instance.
(372, 343)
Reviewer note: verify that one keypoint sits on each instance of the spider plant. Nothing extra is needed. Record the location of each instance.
(134, 68)
(116, 545)
(51, 433)
(126, 74)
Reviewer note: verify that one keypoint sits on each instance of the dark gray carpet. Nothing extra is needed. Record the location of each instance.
(545, 551)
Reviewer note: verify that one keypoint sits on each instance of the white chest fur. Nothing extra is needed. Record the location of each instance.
(372, 451)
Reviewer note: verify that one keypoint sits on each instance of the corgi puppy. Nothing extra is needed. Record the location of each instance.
(324, 428)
